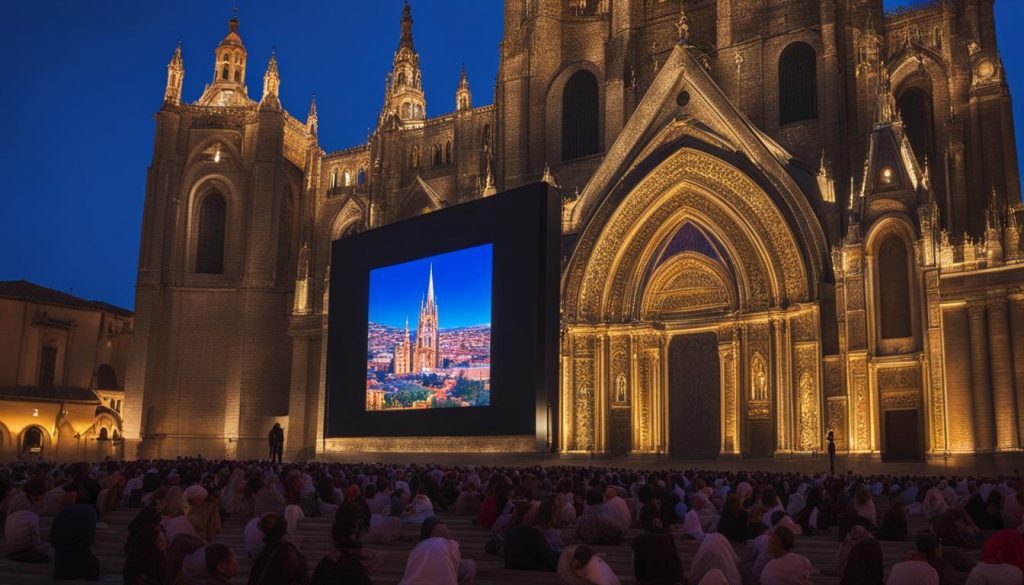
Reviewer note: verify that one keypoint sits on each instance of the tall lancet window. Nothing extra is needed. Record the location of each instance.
(798, 84)
(210, 241)
(580, 116)
(894, 289)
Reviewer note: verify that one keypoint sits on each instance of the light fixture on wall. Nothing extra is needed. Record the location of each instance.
(35, 412)
(887, 175)
(216, 155)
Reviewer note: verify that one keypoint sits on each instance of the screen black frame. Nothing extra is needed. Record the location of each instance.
(523, 227)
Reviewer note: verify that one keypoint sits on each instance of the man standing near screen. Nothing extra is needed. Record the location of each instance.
(276, 438)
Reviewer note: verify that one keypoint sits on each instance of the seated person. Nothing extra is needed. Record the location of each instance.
(594, 526)
(527, 548)
(72, 534)
(221, 564)
(786, 567)
(655, 559)
(578, 565)
(436, 560)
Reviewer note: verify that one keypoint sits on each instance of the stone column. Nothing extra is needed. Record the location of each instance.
(1017, 337)
(1004, 401)
(981, 389)
(299, 388)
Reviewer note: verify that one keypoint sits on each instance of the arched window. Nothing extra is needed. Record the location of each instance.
(798, 84)
(361, 176)
(406, 111)
(334, 178)
(106, 377)
(347, 178)
(210, 241)
(418, 112)
(238, 75)
(401, 78)
(437, 155)
(894, 289)
(224, 72)
(414, 159)
(448, 153)
(580, 116)
(916, 110)
(103, 434)
(48, 365)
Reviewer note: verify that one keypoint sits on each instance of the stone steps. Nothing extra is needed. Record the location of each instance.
(314, 536)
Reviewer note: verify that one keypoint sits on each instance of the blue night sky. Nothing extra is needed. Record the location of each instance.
(462, 288)
(82, 80)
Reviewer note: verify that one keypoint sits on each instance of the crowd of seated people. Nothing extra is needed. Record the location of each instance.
(745, 527)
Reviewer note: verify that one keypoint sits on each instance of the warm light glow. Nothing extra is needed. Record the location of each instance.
(35, 412)
(216, 155)
(887, 175)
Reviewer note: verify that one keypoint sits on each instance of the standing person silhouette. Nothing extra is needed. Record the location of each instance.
(276, 438)
(831, 453)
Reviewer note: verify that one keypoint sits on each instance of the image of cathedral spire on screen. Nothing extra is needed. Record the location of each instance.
(429, 335)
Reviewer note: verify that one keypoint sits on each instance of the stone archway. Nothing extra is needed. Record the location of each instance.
(631, 290)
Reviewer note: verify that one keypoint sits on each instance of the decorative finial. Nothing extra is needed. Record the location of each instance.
(683, 25)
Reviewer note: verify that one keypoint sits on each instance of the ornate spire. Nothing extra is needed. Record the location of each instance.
(231, 56)
(175, 77)
(825, 183)
(886, 112)
(271, 83)
(406, 41)
(430, 281)
(463, 98)
(311, 119)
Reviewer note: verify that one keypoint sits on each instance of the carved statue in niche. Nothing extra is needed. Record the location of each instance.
(758, 378)
(620, 388)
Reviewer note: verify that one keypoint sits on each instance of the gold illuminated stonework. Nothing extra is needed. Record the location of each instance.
(831, 274)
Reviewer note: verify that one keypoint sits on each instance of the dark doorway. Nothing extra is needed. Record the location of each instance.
(759, 441)
(32, 441)
(622, 430)
(695, 403)
(901, 436)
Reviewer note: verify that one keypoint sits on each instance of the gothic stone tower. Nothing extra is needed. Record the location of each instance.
(428, 355)
(225, 213)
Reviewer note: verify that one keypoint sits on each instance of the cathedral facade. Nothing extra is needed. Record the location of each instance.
(780, 219)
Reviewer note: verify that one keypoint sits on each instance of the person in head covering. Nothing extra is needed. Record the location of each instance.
(280, 563)
(203, 512)
(146, 556)
(862, 563)
(594, 526)
(655, 559)
(436, 560)
(221, 564)
(786, 567)
(894, 523)
(72, 535)
(715, 552)
(928, 545)
(578, 565)
(21, 527)
(526, 548)
(617, 509)
(422, 508)
(348, 562)
(692, 528)
(913, 571)
(733, 522)
(998, 555)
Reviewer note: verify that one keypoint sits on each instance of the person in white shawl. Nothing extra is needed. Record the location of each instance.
(914, 571)
(422, 509)
(715, 552)
(436, 560)
(617, 509)
(691, 526)
(578, 565)
(786, 567)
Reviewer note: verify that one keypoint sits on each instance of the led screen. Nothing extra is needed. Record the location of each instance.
(429, 333)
